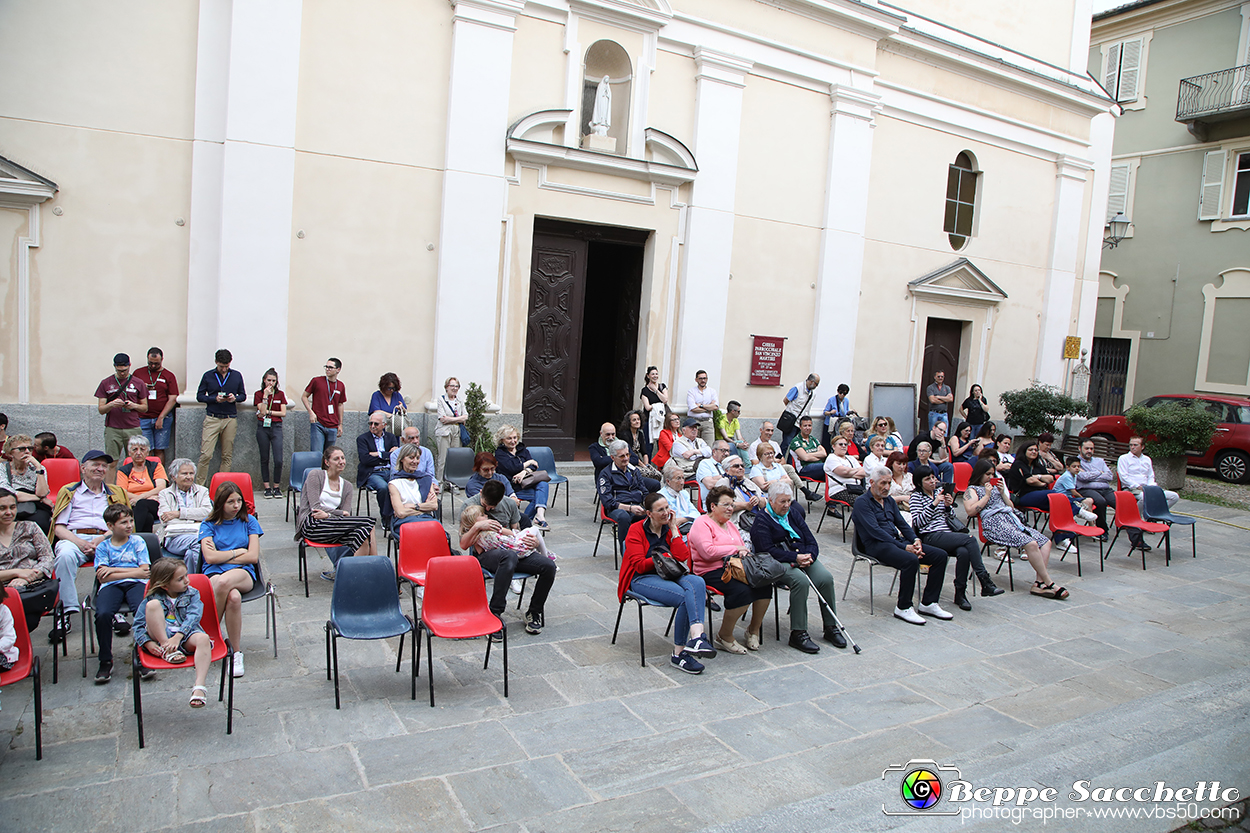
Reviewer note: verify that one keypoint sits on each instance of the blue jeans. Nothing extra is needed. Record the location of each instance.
(938, 416)
(688, 595)
(537, 497)
(398, 522)
(816, 471)
(319, 437)
(1040, 499)
(943, 470)
(108, 601)
(377, 482)
(157, 440)
(186, 547)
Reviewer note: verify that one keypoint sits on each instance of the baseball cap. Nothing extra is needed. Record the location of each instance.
(121, 358)
(96, 454)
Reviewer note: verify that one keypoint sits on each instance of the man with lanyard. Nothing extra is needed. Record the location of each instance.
(796, 403)
(809, 455)
(373, 461)
(162, 397)
(837, 409)
(323, 399)
(78, 525)
(220, 388)
(700, 404)
(120, 398)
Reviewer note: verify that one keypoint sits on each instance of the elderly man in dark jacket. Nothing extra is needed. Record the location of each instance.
(621, 490)
(780, 531)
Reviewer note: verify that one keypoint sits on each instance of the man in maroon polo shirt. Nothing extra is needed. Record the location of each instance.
(121, 398)
(156, 424)
(323, 399)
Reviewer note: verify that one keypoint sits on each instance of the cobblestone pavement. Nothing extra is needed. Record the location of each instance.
(1142, 676)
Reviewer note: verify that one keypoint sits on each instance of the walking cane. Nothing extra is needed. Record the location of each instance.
(832, 613)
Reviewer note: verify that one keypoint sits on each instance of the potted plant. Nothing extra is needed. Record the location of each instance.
(1036, 409)
(479, 432)
(1170, 430)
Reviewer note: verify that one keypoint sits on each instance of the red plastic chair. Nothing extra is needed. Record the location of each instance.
(963, 474)
(836, 499)
(1006, 559)
(61, 473)
(27, 665)
(1128, 515)
(455, 607)
(418, 543)
(223, 651)
(241, 479)
(1061, 520)
(616, 544)
(302, 564)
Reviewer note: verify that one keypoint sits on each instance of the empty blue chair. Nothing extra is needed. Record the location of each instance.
(301, 462)
(365, 605)
(1156, 508)
(544, 457)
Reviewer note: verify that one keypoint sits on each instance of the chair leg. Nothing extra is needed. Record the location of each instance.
(1167, 548)
(617, 627)
(847, 587)
(287, 517)
(1078, 556)
(642, 648)
(272, 597)
(414, 660)
(137, 694)
(846, 521)
(429, 659)
(303, 566)
(38, 675)
(824, 510)
(566, 503)
(616, 549)
(872, 598)
(595, 552)
(328, 677)
(230, 701)
(334, 650)
(672, 618)
(399, 658)
(520, 597)
(505, 660)
(228, 659)
(776, 614)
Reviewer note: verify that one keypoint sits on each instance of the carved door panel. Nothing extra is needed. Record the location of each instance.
(552, 344)
(941, 352)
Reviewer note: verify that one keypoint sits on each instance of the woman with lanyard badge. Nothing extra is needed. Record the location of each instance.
(451, 419)
(796, 402)
(270, 404)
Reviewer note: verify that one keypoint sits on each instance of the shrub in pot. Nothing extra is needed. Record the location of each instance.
(1170, 430)
(1037, 408)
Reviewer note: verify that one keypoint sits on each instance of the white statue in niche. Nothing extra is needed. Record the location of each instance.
(601, 118)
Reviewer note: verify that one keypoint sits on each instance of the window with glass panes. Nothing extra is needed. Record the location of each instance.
(1241, 186)
(961, 196)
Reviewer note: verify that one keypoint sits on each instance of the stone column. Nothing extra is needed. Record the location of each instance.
(1057, 319)
(710, 219)
(842, 238)
(471, 229)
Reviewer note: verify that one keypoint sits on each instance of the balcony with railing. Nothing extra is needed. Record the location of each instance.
(1216, 96)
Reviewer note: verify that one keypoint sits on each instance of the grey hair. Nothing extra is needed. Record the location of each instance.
(670, 469)
(877, 473)
(721, 445)
(778, 488)
(177, 464)
(505, 430)
(617, 445)
(138, 439)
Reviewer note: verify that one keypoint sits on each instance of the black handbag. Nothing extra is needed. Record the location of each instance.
(666, 567)
(786, 422)
(762, 569)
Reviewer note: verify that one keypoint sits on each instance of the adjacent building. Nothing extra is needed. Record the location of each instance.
(1174, 295)
(547, 196)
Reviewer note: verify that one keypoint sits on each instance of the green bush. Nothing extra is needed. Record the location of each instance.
(1171, 429)
(480, 438)
(1038, 407)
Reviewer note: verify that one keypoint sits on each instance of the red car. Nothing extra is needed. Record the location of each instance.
(1229, 453)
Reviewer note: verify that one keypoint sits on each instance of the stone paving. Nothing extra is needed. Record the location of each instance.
(1139, 677)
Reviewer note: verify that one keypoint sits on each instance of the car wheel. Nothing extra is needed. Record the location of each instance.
(1233, 467)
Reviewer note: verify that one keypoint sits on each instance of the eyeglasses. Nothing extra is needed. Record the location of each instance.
(331, 367)
(22, 448)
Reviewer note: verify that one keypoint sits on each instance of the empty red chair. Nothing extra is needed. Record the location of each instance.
(963, 473)
(61, 473)
(27, 664)
(455, 607)
(1061, 520)
(223, 652)
(241, 479)
(418, 543)
(836, 498)
(1127, 515)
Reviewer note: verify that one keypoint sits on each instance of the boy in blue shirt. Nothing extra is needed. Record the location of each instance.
(121, 567)
(1082, 507)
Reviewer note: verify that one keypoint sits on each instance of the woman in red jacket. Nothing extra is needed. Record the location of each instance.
(664, 444)
(658, 527)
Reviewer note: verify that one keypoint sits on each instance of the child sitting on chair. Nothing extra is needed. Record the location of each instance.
(168, 623)
(1066, 484)
(121, 566)
(523, 542)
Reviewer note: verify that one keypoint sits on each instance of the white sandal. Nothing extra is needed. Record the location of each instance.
(198, 701)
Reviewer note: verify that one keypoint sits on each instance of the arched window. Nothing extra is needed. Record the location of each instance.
(961, 200)
(606, 59)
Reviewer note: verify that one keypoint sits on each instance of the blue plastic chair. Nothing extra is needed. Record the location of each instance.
(301, 462)
(457, 469)
(365, 605)
(517, 576)
(1156, 509)
(544, 457)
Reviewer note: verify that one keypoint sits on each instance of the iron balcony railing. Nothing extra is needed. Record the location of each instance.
(1221, 94)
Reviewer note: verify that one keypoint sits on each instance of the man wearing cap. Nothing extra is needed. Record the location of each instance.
(220, 388)
(162, 397)
(78, 525)
(689, 448)
(121, 398)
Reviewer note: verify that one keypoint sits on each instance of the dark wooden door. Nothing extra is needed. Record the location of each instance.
(553, 337)
(941, 352)
(1108, 374)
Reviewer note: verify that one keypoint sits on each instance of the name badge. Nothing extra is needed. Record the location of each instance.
(151, 393)
(268, 423)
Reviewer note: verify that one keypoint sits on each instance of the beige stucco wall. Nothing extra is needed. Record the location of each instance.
(538, 67)
(13, 225)
(1043, 30)
(671, 105)
(763, 20)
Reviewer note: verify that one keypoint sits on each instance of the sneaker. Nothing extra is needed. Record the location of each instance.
(935, 610)
(533, 622)
(495, 637)
(120, 626)
(909, 615)
(516, 587)
(700, 647)
(104, 674)
(686, 662)
(59, 633)
(1088, 516)
(328, 575)
(238, 663)
(146, 673)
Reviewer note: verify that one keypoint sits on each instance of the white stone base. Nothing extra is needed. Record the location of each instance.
(603, 144)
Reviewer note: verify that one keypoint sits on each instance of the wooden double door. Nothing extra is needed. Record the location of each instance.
(582, 331)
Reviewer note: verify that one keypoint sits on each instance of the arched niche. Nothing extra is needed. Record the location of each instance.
(608, 59)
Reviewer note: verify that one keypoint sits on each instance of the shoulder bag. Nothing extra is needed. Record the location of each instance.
(666, 567)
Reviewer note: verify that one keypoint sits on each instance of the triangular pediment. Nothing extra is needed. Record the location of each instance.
(641, 15)
(23, 186)
(960, 280)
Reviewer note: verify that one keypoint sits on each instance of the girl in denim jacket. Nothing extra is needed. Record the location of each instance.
(168, 623)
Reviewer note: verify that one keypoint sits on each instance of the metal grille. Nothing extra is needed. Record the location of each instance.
(1108, 373)
(1214, 93)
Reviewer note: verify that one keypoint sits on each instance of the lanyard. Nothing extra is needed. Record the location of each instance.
(221, 380)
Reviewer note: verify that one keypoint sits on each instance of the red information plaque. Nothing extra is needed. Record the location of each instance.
(766, 360)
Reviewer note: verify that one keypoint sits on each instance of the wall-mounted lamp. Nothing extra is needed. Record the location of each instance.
(1117, 230)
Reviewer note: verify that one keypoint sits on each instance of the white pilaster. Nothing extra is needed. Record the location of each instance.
(1057, 320)
(242, 183)
(1101, 134)
(842, 238)
(471, 233)
(710, 218)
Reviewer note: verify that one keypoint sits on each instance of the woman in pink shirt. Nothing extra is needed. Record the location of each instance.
(712, 538)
